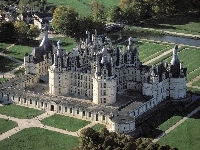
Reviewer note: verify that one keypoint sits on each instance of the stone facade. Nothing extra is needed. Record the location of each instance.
(90, 82)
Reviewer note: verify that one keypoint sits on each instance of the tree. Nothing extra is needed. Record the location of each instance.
(65, 20)
(7, 32)
(33, 32)
(114, 14)
(22, 29)
(97, 9)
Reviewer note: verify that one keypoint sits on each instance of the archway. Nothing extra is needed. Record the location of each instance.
(52, 107)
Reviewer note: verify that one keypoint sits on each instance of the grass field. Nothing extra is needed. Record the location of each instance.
(98, 126)
(18, 51)
(7, 64)
(6, 125)
(77, 5)
(149, 50)
(67, 43)
(185, 136)
(3, 46)
(2, 79)
(65, 122)
(38, 139)
(20, 112)
(170, 122)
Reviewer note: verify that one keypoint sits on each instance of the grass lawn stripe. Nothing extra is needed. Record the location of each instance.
(38, 139)
(6, 125)
(65, 122)
(20, 112)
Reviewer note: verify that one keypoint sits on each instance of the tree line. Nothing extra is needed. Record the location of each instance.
(90, 139)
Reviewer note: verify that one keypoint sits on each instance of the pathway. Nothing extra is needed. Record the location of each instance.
(177, 124)
(189, 84)
(160, 56)
(35, 122)
(10, 74)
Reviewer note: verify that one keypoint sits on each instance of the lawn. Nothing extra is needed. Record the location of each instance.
(67, 43)
(6, 125)
(98, 126)
(7, 64)
(20, 112)
(149, 50)
(170, 122)
(79, 6)
(18, 51)
(39, 139)
(3, 79)
(197, 83)
(65, 122)
(3, 46)
(186, 136)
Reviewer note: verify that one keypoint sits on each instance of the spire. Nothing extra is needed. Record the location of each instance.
(175, 60)
(59, 51)
(45, 40)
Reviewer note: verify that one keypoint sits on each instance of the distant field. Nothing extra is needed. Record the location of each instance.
(6, 125)
(38, 139)
(186, 136)
(65, 122)
(77, 5)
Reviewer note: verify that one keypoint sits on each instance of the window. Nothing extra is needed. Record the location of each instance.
(90, 114)
(104, 100)
(30, 101)
(103, 92)
(77, 111)
(84, 113)
(42, 104)
(104, 85)
(70, 110)
(65, 109)
(59, 108)
(104, 117)
(24, 100)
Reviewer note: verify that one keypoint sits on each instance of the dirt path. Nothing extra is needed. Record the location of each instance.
(177, 124)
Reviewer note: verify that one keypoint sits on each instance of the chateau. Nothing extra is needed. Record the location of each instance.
(97, 81)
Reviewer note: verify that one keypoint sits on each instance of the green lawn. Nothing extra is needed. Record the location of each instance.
(98, 126)
(149, 50)
(170, 122)
(186, 136)
(67, 43)
(76, 4)
(20, 112)
(2, 79)
(7, 64)
(65, 122)
(3, 46)
(38, 139)
(197, 83)
(18, 51)
(6, 125)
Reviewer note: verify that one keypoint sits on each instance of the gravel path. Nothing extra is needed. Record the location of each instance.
(177, 124)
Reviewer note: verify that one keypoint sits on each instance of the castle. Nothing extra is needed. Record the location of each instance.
(100, 81)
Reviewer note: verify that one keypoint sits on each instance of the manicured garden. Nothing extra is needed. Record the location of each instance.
(20, 112)
(98, 126)
(149, 50)
(65, 122)
(170, 122)
(6, 125)
(38, 139)
(185, 136)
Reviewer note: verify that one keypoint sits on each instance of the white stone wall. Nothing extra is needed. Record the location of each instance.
(177, 88)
